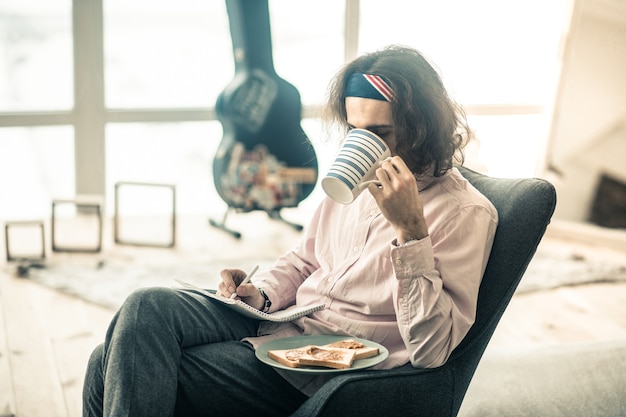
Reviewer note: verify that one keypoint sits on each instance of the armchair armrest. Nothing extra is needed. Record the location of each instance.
(383, 392)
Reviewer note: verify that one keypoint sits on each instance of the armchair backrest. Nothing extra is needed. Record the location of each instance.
(525, 207)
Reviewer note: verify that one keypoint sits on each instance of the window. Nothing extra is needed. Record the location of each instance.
(180, 154)
(36, 165)
(35, 55)
(165, 64)
(500, 60)
(488, 51)
(165, 54)
(308, 44)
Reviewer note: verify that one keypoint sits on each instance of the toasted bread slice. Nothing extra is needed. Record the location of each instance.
(288, 357)
(314, 356)
(329, 358)
(362, 351)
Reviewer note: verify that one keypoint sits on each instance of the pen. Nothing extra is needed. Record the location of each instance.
(245, 280)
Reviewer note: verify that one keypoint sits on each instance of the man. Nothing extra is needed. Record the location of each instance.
(400, 266)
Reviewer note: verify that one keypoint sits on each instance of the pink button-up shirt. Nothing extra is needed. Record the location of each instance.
(417, 300)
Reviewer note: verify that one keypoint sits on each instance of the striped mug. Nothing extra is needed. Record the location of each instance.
(355, 165)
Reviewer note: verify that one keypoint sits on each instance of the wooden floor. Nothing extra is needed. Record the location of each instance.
(46, 337)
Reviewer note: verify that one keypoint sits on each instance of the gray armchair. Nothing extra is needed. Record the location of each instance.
(525, 207)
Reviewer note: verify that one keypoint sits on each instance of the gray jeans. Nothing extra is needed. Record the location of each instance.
(169, 352)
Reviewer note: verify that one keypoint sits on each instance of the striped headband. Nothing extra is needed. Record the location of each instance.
(368, 86)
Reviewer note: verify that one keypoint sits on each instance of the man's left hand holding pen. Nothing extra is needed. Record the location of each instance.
(236, 283)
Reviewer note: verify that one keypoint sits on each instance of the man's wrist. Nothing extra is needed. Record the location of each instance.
(408, 241)
(266, 301)
(406, 236)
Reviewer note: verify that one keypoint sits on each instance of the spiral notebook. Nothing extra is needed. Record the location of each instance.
(288, 314)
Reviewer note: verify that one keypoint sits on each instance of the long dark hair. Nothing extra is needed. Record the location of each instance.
(431, 129)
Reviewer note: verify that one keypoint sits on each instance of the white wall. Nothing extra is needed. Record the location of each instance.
(589, 128)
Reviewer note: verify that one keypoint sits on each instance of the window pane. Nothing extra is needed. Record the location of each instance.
(180, 154)
(507, 146)
(308, 44)
(489, 51)
(36, 166)
(160, 53)
(36, 55)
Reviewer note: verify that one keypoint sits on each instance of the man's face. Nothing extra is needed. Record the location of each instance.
(373, 115)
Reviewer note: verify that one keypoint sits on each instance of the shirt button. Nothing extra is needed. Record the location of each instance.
(330, 279)
(356, 249)
(399, 262)
(373, 213)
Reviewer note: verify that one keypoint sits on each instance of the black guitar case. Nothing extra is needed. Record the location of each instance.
(265, 160)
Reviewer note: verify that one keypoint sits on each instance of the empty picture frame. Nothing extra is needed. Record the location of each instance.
(24, 241)
(76, 224)
(145, 214)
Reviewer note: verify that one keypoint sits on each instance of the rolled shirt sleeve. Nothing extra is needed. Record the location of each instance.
(438, 285)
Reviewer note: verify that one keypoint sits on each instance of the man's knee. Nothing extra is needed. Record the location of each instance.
(151, 300)
(93, 387)
(96, 356)
(94, 364)
(152, 295)
(148, 309)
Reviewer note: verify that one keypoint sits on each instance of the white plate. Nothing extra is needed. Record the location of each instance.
(318, 340)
